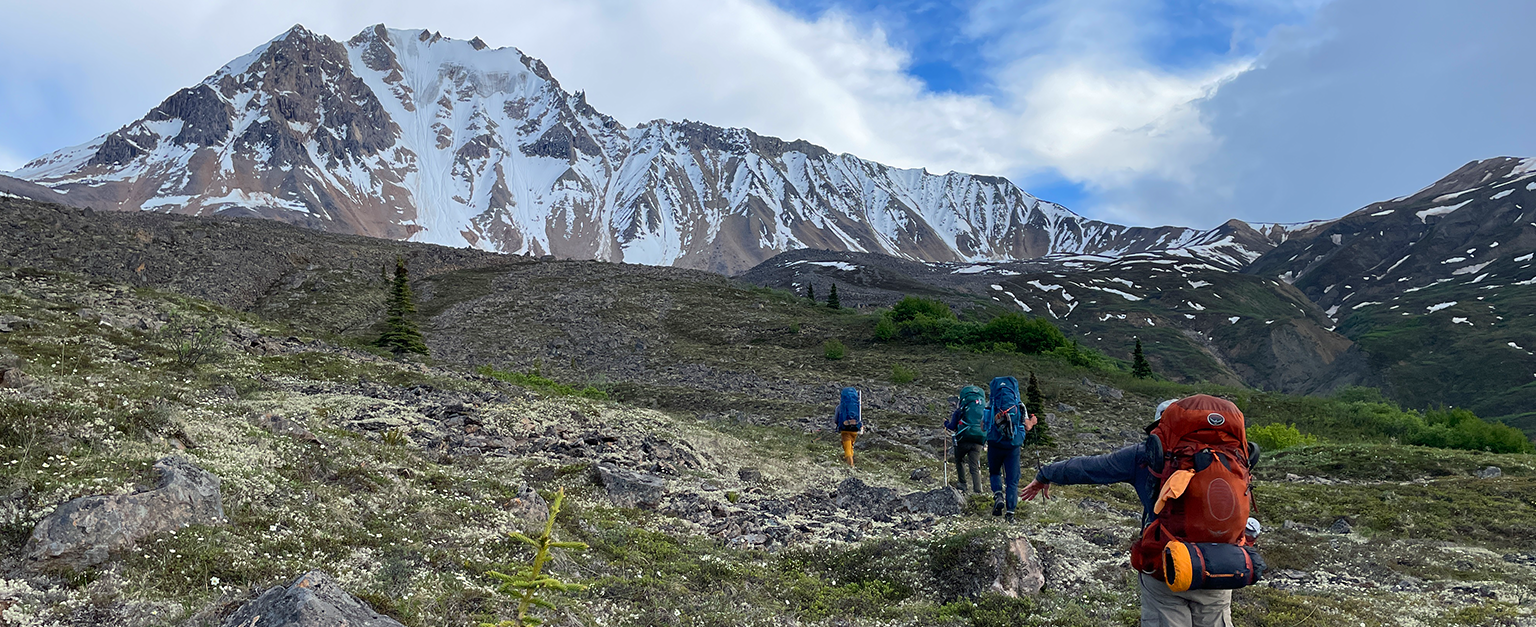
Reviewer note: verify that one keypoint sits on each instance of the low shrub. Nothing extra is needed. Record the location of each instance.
(902, 375)
(1462, 429)
(1279, 436)
(833, 349)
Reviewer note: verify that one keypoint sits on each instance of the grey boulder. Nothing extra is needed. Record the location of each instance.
(945, 501)
(627, 488)
(970, 565)
(314, 600)
(87, 530)
(1490, 472)
(863, 499)
(529, 506)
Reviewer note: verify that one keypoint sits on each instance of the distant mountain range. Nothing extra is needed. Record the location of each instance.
(410, 135)
(1431, 297)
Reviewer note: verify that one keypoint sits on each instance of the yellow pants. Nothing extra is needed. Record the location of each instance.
(848, 438)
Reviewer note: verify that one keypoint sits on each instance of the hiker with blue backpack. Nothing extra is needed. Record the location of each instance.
(1006, 422)
(967, 426)
(848, 421)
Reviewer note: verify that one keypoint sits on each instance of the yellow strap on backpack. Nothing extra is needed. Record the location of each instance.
(1173, 487)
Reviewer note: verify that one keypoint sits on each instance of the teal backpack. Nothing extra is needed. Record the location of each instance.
(973, 413)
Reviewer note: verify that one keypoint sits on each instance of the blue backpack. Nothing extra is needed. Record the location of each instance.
(1007, 413)
(848, 418)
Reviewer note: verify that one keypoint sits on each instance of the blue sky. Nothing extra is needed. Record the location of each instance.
(1134, 111)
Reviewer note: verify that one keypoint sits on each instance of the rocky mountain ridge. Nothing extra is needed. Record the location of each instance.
(406, 134)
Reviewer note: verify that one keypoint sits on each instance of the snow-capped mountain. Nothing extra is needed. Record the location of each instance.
(409, 135)
(1473, 228)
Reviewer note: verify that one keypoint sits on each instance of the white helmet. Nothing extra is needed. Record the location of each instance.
(1158, 415)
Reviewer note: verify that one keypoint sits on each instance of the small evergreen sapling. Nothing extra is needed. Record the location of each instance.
(530, 581)
(400, 334)
(832, 300)
(1139, 366)
(1035, 400)
(810, 292)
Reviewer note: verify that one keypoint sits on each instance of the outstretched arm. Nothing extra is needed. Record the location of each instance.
(1116, 467)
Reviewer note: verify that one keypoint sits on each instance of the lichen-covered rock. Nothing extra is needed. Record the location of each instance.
(969, 565)
(14, 378)
(86, 531)
(863, 499)
(313, 600)
(529, 506)
(627, 488)
(945, 501)
(1490, 472)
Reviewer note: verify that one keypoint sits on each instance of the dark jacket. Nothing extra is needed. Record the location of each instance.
(1127, 465)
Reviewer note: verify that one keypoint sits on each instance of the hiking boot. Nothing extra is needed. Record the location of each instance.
(997, 509)
(1008, 518)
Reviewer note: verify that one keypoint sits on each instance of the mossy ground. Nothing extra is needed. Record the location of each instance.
(413, 535)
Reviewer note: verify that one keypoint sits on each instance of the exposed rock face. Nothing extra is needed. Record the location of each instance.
(84, 532)
(313, 600)
(863, 499)
(969, 565)
(945, 501)
(627, 488)
(467, 145)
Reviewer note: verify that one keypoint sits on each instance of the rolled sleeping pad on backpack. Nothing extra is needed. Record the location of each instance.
(1210, 566)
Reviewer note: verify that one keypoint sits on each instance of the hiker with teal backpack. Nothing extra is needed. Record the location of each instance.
(1007, 422)
(967, 425)
(849, 421)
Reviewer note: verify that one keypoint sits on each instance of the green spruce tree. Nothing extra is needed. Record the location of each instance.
(530, 585)
(400, 334)
(832, 301)
(810, 292)
(1034, 401)
(1139, 366)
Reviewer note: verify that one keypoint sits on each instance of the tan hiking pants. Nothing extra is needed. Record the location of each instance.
(1161, 607)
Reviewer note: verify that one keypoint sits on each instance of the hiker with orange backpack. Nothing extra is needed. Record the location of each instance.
(1192, 477)
(1006, 422)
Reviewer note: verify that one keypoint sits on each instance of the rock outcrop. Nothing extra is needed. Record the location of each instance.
(627, 488)
(313, 600)
(969, 565)
(85, 532)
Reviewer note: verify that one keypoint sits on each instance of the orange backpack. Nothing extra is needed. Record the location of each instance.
(1200, 454)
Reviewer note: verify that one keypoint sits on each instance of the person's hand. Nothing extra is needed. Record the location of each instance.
(1036, 487)
(1030, 422)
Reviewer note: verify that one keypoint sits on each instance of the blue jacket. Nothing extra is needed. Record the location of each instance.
(994, 436)
(1127, 465)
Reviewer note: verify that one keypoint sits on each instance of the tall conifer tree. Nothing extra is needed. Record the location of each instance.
(400, 334)
(832, 300)
(1139, 366)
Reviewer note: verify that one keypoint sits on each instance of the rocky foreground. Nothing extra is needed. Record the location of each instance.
(170, 462)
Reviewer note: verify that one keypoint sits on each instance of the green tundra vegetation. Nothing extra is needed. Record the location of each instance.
(415, 532)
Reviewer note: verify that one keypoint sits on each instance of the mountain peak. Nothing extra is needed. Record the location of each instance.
(410, 134)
